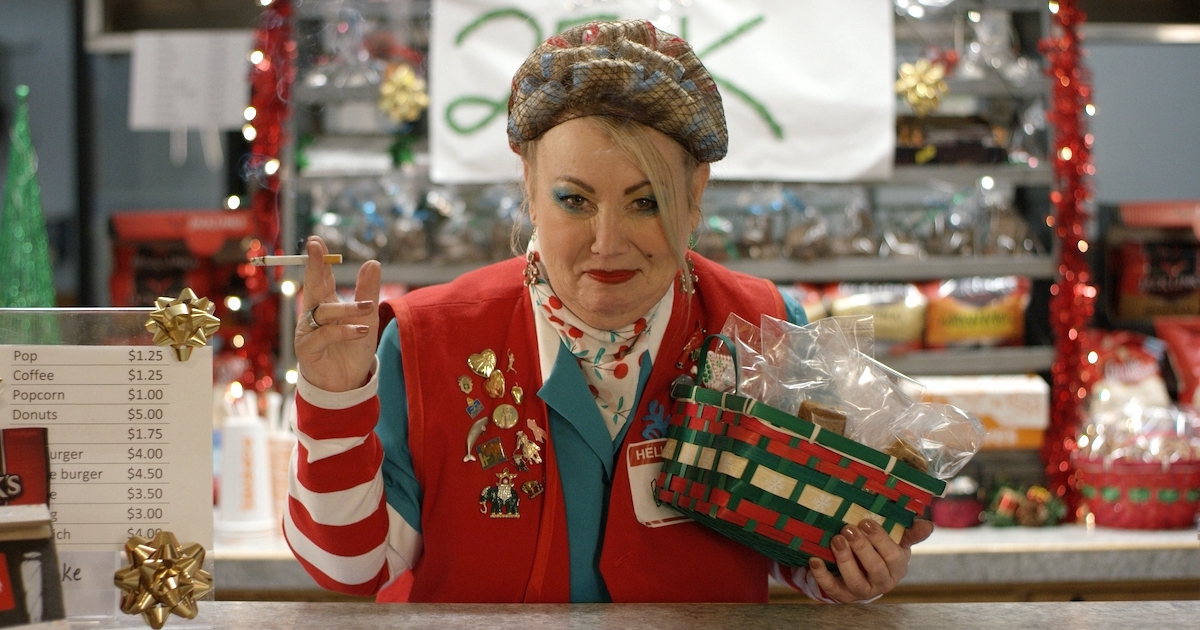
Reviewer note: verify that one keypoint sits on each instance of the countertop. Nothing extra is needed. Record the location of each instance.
(979, 555)
(1058, 615)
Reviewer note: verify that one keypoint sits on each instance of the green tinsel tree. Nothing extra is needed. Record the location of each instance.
(26, 275)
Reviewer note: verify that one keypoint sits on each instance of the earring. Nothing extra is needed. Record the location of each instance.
(531, 268)
(692, 240)
(687, 279)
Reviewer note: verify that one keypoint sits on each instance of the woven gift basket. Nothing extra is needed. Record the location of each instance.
(1140, 495)
(776, 482)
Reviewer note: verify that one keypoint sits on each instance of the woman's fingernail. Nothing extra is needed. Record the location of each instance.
(815, 564)
(365, 305)
(869, 527)
(839, 543)
(362, 330)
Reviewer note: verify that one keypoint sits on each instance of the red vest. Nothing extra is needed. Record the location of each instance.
(476, 552)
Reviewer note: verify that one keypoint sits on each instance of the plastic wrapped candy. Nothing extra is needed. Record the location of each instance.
(458, 236)
(510, 226)
(760, 222)
(823, 373)
(846, 217)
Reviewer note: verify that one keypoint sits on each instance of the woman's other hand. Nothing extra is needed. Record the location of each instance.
(339, 353)
(870, 562)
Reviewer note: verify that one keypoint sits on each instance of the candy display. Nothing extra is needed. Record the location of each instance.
(391, 219)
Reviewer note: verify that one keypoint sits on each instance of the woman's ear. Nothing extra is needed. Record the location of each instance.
(699, 183)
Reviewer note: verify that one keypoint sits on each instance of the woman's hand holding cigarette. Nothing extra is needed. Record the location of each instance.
(335, 341)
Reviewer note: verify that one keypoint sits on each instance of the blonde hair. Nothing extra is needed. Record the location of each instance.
(672, 188)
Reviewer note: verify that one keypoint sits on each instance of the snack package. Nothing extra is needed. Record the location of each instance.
(1123, 368)
(968, 312)
(898, 310)
(1157, 279)
(1182, 336)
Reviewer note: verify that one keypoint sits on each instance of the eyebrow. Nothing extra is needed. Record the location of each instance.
(589, 189)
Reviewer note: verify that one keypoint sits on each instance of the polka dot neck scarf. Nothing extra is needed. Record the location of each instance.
(610, 359)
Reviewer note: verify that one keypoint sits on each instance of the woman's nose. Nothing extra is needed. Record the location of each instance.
(610, 237)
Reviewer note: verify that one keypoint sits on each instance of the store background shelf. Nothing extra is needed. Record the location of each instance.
(973, 361)
(782, 271)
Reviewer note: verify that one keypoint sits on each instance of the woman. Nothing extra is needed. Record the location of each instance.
(487, 448)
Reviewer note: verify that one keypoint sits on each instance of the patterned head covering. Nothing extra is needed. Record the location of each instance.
(625, 69)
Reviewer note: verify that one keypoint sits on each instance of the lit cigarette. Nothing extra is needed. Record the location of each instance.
(302, 259)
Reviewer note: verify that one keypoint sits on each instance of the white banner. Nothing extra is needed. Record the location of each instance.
(807, 84)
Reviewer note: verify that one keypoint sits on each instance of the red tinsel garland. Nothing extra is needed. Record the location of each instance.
(270, 95)
(1072, 297)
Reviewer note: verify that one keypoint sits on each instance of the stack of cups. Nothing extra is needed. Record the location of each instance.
(246, 501)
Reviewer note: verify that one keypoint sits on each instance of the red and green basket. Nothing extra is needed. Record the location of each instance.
(1140, 495)
(776, 482)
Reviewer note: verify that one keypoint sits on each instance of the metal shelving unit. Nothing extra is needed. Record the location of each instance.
(371, 148)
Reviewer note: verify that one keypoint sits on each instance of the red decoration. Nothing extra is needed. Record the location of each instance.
(1072, 298)
(271, 81)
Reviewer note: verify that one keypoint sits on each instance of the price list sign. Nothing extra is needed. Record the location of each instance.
(130, 433)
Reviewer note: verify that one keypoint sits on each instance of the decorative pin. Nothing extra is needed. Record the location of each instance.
(491, 453)
(502, 497)
(511, 361)
(474, 406)
(518, 394)
(477, 429)
(532, 488)
(505, 416)
(494, 385)
(465, 384)
(483, 363)
(526, 452)
(538, 433)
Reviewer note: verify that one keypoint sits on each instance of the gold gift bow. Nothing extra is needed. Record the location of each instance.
(402, 95)
(922, 84)
(162, 578)
(183, 323)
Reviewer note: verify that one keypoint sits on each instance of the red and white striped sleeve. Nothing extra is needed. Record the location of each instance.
(338, 523)
(800, 579)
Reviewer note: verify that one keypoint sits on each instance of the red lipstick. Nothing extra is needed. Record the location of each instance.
(615, 276)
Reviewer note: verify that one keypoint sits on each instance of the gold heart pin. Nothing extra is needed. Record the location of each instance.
(518, 394)
(483, 363)
(494, 386)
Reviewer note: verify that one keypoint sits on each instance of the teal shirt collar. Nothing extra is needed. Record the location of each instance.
(566, 391)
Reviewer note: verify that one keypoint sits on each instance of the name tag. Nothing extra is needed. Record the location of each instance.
(644, 460)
